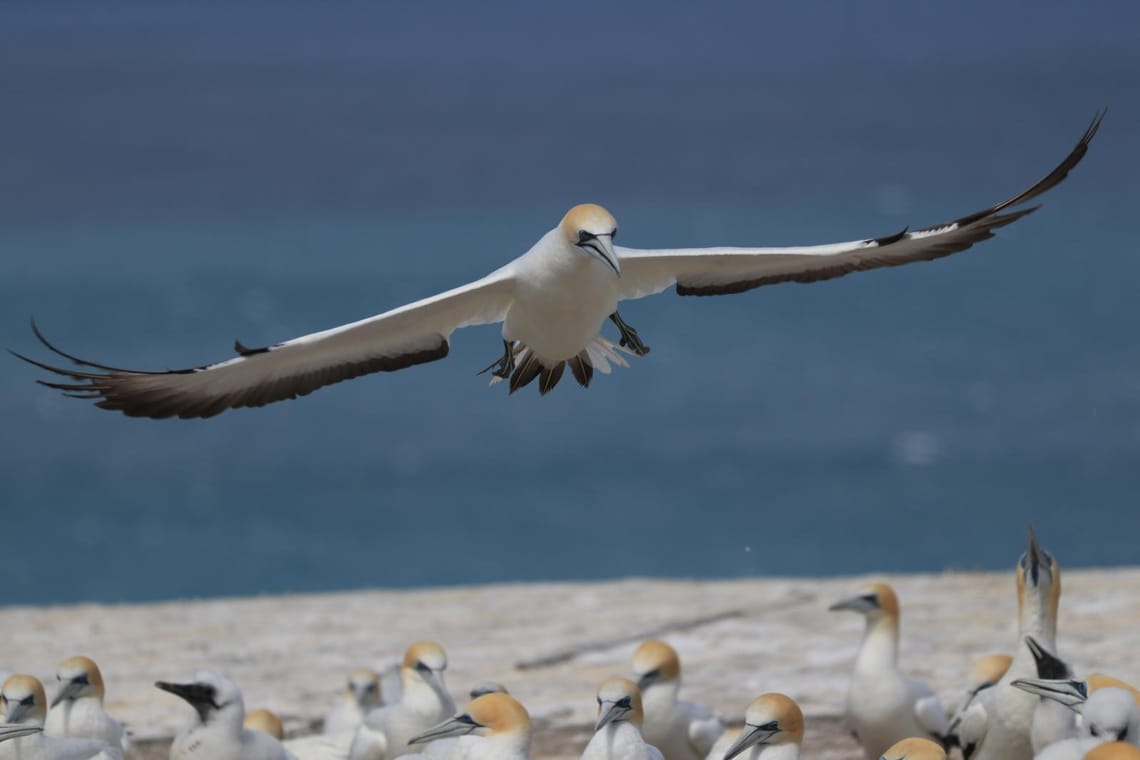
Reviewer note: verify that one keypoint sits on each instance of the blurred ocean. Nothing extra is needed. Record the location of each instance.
(177, 175)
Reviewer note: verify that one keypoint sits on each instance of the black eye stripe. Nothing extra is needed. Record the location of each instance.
(584, 236)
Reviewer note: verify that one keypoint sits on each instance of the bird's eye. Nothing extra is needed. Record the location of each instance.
(465, 718)
(585, 237)
(613, 235)
(771, 726)
(28, 701)
(623, 702)
(423, 668)
(599, 700)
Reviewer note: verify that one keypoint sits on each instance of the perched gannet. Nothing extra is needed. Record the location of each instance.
(1053, 721)
(617, 733)
(914, 748)
(487, 687)
(424, 700)
(883, 705)
(681, 730)
(77, 709)
(1010, 710)
(553, 301)
(24, 704)
(773, 730)
(218, 733)
(361, 696)
(267, 722)
(1113, 751)
(492, 727)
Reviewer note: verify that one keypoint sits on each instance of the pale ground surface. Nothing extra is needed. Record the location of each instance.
(737, 639)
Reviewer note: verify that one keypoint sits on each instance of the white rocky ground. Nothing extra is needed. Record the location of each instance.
(551, 644)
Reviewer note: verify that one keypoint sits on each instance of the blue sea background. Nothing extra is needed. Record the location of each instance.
(178, 175)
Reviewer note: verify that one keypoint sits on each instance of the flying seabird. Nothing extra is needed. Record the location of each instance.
(553, 302)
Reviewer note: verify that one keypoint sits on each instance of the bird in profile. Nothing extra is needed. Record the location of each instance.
(773, 730)
(77, 709)
(24, 706)
(617, 732)
(682, 730)
(424, 699)
(885, 706)
(493, 727)
(552, 301)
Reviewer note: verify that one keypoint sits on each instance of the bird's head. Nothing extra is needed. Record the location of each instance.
(590, 230)
(656, 662)
(915, 749)
(1038, 580)
(495, 714)
(78, 677)
(267, 722)
(22, 700)
(770, 719)
(879, 602)
(423, 665)
(210, 694)
(363, 687)
(619, 699)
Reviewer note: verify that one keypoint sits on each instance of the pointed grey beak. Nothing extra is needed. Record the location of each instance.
(15, 732)
(17, 712)
(601, 247)
(862, 604)
(1049, 666)
(750, 736)
(613, 713)
(69, 690)
(1068, 692)
(460, 725)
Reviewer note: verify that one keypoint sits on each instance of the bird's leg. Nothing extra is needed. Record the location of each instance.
(505, 364)
(629, 337)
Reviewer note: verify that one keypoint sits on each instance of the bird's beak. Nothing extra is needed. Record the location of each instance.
(1068, 692)
(69, 690)
(1035, 558)
(17, 712)
(863, 604)
(15, 732)
(1049, 667)
(434, 679)
(460, 725)
(750, 736)
(191, 692)
(615, 712)
(602, 248)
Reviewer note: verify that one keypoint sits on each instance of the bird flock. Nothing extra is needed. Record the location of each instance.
(1028, 705)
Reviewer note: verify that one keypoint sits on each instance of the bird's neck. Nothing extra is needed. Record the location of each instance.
(1036, 618)
(425, 700)
(501, 746)
(880, 649)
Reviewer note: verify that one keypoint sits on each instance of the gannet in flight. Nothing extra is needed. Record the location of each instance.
(773, 730)
(219, 732)
(681, 730)
(361, 695)
(77, 709)
(424, 699)
(24, 703)
(885, 706)
(617, 732)
(1010, 710)
(493, 727)
(553, 301)
(914, 748)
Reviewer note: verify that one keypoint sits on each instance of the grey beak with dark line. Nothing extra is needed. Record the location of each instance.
(460, 725)
(601, 247)
(750, 736)
(69, 690)
(15, 732)
(1068, 692)
(863, 603)
(616, 711)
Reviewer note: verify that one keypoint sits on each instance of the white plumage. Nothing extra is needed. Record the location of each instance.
(77, 710)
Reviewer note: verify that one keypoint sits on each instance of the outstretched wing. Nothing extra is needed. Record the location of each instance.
(413, 334)
(719, 271)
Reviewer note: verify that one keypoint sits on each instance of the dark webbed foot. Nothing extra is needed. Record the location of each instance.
(505, 364)
(629, 336)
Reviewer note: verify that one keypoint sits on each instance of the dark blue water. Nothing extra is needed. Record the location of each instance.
(176, 176)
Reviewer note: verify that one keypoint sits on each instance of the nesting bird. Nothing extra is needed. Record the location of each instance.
(1010, 711)
(24, 705)
(219, 731)
(914, 748)
(361, 696)
(773, 730)
(883, 705)
(77, 709)
(492, 727)
(553, 302)
(617, 732)
(424, 699)
(681, 730)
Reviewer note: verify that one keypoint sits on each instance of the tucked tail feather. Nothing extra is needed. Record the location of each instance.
(599, 354)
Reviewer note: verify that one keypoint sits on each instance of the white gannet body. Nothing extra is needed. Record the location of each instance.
(773, 730)
(968, 725)
(77, 709)
(219, 732)
(681, 730)
(970, 728)
(361, 696)
(1010, 710)
(493, 727)
(914, 748)
(1053, 721)
(617, 732)
(1108, 714)
(24, 705)
(424, 700)
(883, 705)
(553, 302)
